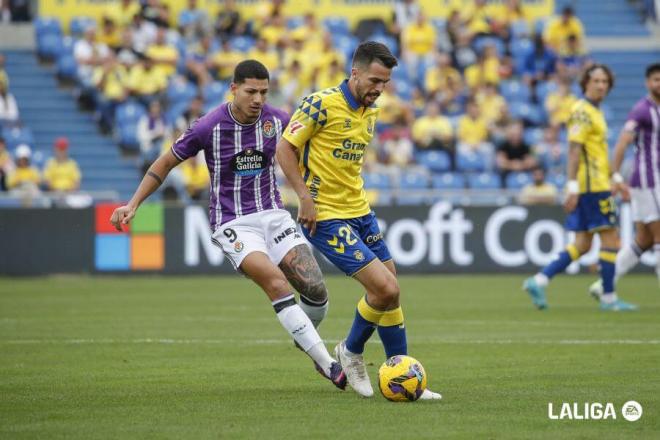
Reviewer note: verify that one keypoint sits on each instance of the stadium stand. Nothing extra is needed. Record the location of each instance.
(481, 54)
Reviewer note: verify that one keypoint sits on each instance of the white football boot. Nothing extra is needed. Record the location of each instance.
(430, 395)
(356, 372)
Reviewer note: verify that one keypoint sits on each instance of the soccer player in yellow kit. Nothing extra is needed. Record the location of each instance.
(589, 204)
(321, 153)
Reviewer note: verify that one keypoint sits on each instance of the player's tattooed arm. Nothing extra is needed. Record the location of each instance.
(303, 272)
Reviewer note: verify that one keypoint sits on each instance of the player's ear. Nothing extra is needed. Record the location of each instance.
(233, 87)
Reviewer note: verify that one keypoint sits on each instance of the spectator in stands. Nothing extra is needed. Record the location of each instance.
(194, 111)
(572, 59)
(551, 151)
(539, 192)
(110, 34)
(473, 131)
(274, 30)
(513, 13)
(437, 79)
(156, 12)
(5, 12)
(122, 13)
(455, 28)
(312, 33)
(193, 21)
(61, 173)
(560, 28)
(3, 74)
(228, 23)
(196, 177)
(405, 13)
(163, 55)
(110, 79)
(490, 102)
(477, 18)
(418, 42)
(539, 64)
(8, 108)
(143, 32)
(497, 128)
(265, 55)
(486, 70)
(392, 108)
(433, 131)
(558, 104)
(514, 154)
(145, 82)
(89, 54)
(294, 82)
(197, 61)
(6, 164)
(328, 54)
(126, 55)
(331, 76)
(151, 130)
(398, 147)
(14, 10)
(25, 179)
(224, 61)
(462, 52)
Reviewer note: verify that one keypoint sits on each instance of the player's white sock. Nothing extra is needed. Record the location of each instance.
(300, 327)
(656, 248)
(609, 298)
(626, 259)
(315, 311)
(541, 279)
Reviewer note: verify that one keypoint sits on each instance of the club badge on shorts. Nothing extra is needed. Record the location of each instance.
(359, 256)
(238, 246)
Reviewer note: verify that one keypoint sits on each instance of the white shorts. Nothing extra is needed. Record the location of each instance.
(645, 204)
(272, 232)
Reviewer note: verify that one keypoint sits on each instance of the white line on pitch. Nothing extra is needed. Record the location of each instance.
(330, 341)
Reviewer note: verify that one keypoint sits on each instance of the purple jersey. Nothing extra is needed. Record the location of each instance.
(240, 159)
(644, 121)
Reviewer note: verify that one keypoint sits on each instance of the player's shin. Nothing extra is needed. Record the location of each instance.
(316, 311)
(626, 259)
(607, 258)
(392, 332)
(563, 260)
(656, 249)
(365, 322)
(301, 329)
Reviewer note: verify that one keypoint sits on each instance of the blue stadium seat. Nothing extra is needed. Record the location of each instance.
(448, 181)
(337, 25)
(557, 179)
(434, 160)
(18, 135)
(411, 199)
(482, 42)
(180, 90)
(440, 24)
(79, 25)
(67, 67)
(533, 136)
(242, 43)
(49, 46)
(128, 136)
(529, 113)
(374, 180)
(345, 44)
(485, 180)
(214, 92)
(404, 89)
(387, 40)
(47, 25)
(413, 180)
(295, 22)
(544, 88)
(68, 43)
(520, 29)
(518, 180)
(514, 91)
(175, 111)
(470, 161)
(129, 112)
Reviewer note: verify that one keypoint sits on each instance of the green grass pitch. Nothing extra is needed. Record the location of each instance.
(204, 357)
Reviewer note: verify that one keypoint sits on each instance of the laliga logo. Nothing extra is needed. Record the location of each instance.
(630, 411)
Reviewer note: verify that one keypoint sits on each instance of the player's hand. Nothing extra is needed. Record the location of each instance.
(570, 203)
(621, 189)
(307, 214)
(122, 216)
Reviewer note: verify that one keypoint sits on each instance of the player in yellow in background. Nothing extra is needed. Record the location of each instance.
(589, 203)
(321, 153)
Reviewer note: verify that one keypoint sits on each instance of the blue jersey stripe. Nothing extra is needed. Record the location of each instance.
(305, 161)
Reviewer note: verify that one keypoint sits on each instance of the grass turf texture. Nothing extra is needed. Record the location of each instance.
(204, 357)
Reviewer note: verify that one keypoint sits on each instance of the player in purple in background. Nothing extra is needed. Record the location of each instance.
(247, 217)
(642, 127)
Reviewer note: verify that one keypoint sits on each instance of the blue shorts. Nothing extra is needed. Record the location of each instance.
(350, 244)
(594, 211)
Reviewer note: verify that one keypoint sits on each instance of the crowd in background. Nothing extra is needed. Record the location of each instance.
(487, 89)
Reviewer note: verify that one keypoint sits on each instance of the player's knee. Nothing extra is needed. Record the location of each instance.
(316, 292)
(389, 292)
(582, 248)
(277, 286)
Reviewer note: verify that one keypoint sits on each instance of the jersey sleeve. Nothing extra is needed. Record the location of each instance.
(310, 116)
(638, 117)
(579, 126)
(189, 143)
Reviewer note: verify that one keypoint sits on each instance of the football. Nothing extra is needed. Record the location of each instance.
(401, 379)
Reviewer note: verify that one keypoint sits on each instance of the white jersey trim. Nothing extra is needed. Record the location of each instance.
(238, 211)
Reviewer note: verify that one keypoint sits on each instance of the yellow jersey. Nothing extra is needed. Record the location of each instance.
(587, 126)
(22, 176)
(472, 131)
(331, 131)
(62, 176)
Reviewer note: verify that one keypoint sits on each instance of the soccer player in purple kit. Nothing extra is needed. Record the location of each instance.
(247, 217)
(642, 127)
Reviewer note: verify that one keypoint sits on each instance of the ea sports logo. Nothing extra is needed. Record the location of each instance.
(631, 411)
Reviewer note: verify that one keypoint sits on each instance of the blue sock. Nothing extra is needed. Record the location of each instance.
(560, 264)
(392, 333)
(607, 269)
(365, 322)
